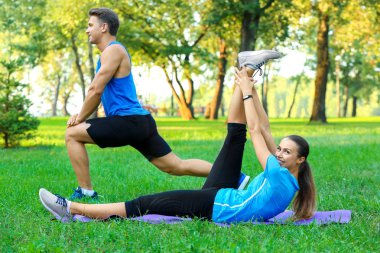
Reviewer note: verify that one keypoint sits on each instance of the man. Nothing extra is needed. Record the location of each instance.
(126, 122)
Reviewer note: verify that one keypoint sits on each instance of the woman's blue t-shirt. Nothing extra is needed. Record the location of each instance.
(119, 96)
(267, 195)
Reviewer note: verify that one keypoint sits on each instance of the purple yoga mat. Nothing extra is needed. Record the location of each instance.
(320, 218)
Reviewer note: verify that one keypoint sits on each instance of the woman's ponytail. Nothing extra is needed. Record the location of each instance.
(304, 203)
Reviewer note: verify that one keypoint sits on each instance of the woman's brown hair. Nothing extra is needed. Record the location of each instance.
(304, 203)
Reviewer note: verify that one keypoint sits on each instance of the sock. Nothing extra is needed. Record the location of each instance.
(68, 206)
(88, 192)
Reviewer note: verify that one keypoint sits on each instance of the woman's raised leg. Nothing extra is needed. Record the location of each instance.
(225, 172)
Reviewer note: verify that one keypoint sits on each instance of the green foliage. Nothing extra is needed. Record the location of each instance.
(22, 30)
(343, 156)
(355, 48)
(16, 122)
(156, 33)
(184, 36)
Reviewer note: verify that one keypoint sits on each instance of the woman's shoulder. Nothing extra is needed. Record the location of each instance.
(272, 162)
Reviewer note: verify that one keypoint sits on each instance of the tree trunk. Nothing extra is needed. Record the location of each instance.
(265, 103)
(207, 111)
(249, 26)
(190, 95)
(319, 111)
(79, 68)
(6, 140)
(187, 102)
(56, 94)
(248, 31)
(91, 61)
(184, 108)
(217, 99)
(264, 89)
(345, 101)
(354, 105)
(66, 98)
(92, 74)
(298, 82)
(337, 88)
(250, 23)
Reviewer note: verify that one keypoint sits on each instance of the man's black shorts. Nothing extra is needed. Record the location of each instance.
(138, 131)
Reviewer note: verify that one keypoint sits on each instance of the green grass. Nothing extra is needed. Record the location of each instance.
(344, 156)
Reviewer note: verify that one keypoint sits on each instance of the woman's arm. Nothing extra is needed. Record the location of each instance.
(264, 122)
(252, 117)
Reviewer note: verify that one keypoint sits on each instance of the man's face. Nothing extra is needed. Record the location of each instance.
(95, 29)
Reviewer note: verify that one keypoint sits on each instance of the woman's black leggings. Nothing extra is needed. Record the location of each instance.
(225, 173)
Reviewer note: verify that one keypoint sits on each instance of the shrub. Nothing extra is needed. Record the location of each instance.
(16, 122)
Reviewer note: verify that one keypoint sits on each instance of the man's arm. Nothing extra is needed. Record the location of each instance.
(110, 62)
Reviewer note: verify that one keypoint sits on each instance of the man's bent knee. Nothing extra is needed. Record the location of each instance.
(78, 133)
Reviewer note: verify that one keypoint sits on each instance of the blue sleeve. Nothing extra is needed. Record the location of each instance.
(272, 167)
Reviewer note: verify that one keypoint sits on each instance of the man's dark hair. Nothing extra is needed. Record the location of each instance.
(107, 16)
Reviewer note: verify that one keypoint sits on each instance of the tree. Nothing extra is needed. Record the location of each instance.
(355, 45)
(255, 23)
(59, 75)
(218, 94)
(158, 35)
(265, 25)
(252, 13)
(223, 40)
(318, 112)
(351, 32)
(298, 79)
(23, 47)
(16, 122)
(68, 20)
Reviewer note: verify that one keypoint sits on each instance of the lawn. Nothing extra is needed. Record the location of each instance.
(344, 156)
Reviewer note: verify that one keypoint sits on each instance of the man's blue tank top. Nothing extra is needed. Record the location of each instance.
(119, 96)
(269, 194)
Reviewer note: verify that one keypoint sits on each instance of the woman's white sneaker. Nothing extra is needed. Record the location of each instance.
(56, 205)
(256, 59)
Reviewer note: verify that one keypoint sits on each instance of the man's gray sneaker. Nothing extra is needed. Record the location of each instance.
(78, 194)
(56, 205)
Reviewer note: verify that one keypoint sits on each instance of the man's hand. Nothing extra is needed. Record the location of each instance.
(73, 120)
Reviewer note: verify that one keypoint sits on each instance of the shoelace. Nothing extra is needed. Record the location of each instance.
(61, 201)
(258, 66)
(261, 71)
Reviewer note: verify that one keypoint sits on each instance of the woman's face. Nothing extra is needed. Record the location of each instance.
(287, 154)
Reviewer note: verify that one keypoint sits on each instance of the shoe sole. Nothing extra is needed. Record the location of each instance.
(254, 53)
(244, 183)
(57, 216)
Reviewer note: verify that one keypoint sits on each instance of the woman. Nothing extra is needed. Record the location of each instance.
(286, 171)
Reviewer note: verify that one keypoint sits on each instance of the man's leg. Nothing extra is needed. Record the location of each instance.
(174, 165)
(76, 138)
